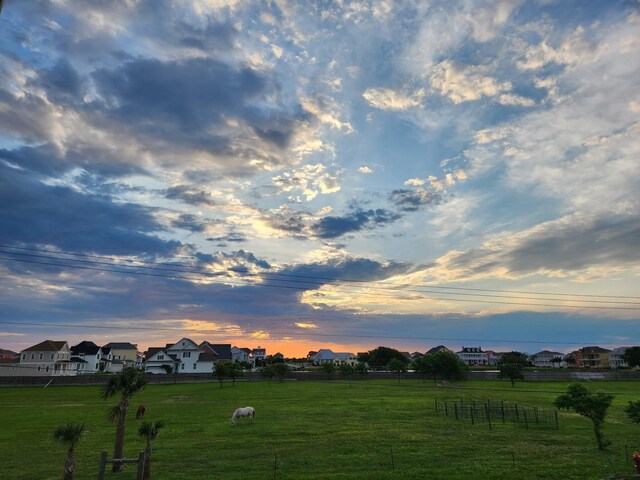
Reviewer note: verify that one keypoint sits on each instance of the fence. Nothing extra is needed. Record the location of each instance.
(104, 460)
(491, 412)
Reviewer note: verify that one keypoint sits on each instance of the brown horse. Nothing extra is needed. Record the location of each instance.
(140, 412)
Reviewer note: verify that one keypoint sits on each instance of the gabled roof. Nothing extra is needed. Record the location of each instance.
(151, 351)
(77, 360)
(86, 347)
(324, 354)
(47, 346)
(593, 349)
(178, 345)
(7, 352)
(122, 346)
(439, 348)
(207, 357)
(222, 350)
(548, 352)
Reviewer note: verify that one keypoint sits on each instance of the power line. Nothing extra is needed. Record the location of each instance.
(522, 304)
(316, 277)
(220, 274)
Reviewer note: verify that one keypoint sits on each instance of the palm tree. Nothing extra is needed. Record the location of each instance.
(69, 435)
(128, 382)
(149, 431)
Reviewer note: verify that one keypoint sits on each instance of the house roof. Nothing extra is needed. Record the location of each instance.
(77, 360)
(178, 347)
(6, 352)
(324, 354)
(86, 347)
(151, 351)
(437, 349)
(122, 346)
(47, 346)
(207, 357)
(594, 349)
(548, 352)
(222, 350)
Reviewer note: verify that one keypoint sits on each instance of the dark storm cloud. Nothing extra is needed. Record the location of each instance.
(188, 195)
(189, 222)
(351, 268)
(185, 98)
(569, 247)
(224, 240)
(331, 226)
(35, 213)
(412, 200)
(62, 83)
(610, 240)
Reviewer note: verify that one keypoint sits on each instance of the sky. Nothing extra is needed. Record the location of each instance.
(306, 175)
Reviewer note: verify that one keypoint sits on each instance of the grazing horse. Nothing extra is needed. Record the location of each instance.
(140, 412)
(248, 412)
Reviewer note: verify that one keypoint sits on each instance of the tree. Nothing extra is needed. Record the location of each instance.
(281, 370)
(381, 356)
(149, 431)
(511, 366)
(346, 370)
(632, 356)
(69, 435)
(593, 406)
(268, 372)
(446, 364)
(423, 366)
(223, 370)
(234, 370)
(633, 411)
(329, 368)
(127, 383)
(361, 368)
(397, 367)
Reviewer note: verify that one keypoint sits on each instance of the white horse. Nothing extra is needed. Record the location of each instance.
(248, 412)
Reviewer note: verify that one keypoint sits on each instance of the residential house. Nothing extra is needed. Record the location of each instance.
(473, 356)
(7, 354)
(86, 357)
(546, 358)
(108, 362)
(240, 354)
(125, 352)
(258, 355)
(326, 355)
(416, 356)
(615, 358)
(213, 353)
(157, 360)
(50, 357)
(188, 357)
(592, 357)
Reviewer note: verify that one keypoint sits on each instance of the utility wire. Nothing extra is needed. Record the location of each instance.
(491, 302)
(267, 275)
(314, 277)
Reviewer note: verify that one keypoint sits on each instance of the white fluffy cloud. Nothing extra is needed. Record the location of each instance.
(388, 99)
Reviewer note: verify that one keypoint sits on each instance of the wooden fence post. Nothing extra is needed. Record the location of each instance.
(103, 465)
(140, 475)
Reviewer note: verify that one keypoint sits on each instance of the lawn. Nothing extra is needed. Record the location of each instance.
(319, 429)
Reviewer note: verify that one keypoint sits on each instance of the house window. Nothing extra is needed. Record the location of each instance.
(33, 355)
(52, 356)
(194, 366)
(182, 366)
(41, 356)
(46, 369)
(24, 356)
(39, 368)
(186, 354)
(160, 357)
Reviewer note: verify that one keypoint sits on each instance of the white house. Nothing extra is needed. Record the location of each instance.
(615, 358)
(187, 354)
(52, 358)
(546, 358)
(258, 354)
(157, 360)
(240, 354)
(108, 362)
(85, 357)
(326, 355)
(473, 356)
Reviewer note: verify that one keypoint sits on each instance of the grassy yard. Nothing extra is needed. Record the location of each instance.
(320, 430)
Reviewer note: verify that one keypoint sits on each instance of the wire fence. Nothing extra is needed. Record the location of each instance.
(492, 412)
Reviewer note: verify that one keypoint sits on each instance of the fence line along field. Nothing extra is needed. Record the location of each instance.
(370, 429)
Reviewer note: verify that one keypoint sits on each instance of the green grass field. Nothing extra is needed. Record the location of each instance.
(320, 430)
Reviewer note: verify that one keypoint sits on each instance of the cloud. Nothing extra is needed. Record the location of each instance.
(388, 99)
(465, 83)
(411, 200)
(332, 226)
(310, 179)
(365, 169)
(186, 194)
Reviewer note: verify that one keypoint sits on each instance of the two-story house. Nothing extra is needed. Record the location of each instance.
(240, 354)
(50, 357)
(547, 358)
(158, 360)
(615, 358)
(326, 355)
(124, 352)
(473, 356)
(86, 357)
(592, 357)
(187, 354)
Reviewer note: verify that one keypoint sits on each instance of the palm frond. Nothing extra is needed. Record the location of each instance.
(150, 430)
(113, 414)
(69, 434)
